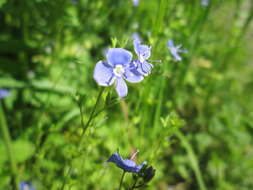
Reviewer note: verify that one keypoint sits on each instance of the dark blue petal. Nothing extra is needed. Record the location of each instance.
(103, 74)
(118, 56)
(127, 165)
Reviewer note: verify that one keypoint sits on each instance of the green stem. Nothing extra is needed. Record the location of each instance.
(121, 180)
(9, 150)
(85, 127)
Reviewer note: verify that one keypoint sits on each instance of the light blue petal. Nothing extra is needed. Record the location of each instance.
(137, 43)
(171, 44)
(121, 87)
(144, 68)
(176, 56)
(118, 56)
(103, 74)
(4, 93)
(136, 36)
(143, 51)
(133, 76)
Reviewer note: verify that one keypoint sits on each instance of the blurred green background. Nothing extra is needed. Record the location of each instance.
(191, 120)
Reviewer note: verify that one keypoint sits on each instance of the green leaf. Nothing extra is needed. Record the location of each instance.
(22, 151)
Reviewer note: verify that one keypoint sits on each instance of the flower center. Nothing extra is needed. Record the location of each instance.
(118, 70)
(26, 187)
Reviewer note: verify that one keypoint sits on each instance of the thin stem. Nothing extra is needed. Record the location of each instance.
(85, 126)
(121, 180)
(93, 111)
(9, 150)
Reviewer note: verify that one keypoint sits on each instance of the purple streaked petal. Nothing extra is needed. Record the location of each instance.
(103, 74)
(121, 87)
(118, 56)
(133, 76)
(144, 68)
(143, 51)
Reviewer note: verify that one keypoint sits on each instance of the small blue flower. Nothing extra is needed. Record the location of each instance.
(204, 3)
(143, 52)
(175, 50)
(135, 2)
(127, 165)
(24, 185)
(116, 70)
(4, 93)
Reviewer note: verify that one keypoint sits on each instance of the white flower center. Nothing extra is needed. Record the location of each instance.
(26, 187)
(118, 70)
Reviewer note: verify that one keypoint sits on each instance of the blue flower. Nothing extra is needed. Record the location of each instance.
(143, 52)
(116, 70)
(135, 2)
(4, 93)
(175, 50)
(204, 3)
(127, 165)
(24, 185)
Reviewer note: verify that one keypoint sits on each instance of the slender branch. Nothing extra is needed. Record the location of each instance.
(93, 111)
(121, 180)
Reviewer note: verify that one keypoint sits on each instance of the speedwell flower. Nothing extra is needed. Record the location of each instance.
(116, 70)
(143, 52)
(4, 93)
(127, 165)
(175, 50)
(204, 3)
(24, 185)
(135, 2)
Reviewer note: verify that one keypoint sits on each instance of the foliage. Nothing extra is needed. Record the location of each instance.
(190, 120)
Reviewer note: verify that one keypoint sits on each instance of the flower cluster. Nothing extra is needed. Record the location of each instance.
(120, 67)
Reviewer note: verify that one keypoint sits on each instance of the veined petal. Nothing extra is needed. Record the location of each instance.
(118, 56)
(133, 76)
(143, 51)
(144, 68)
(103, 74)
(121, 87)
